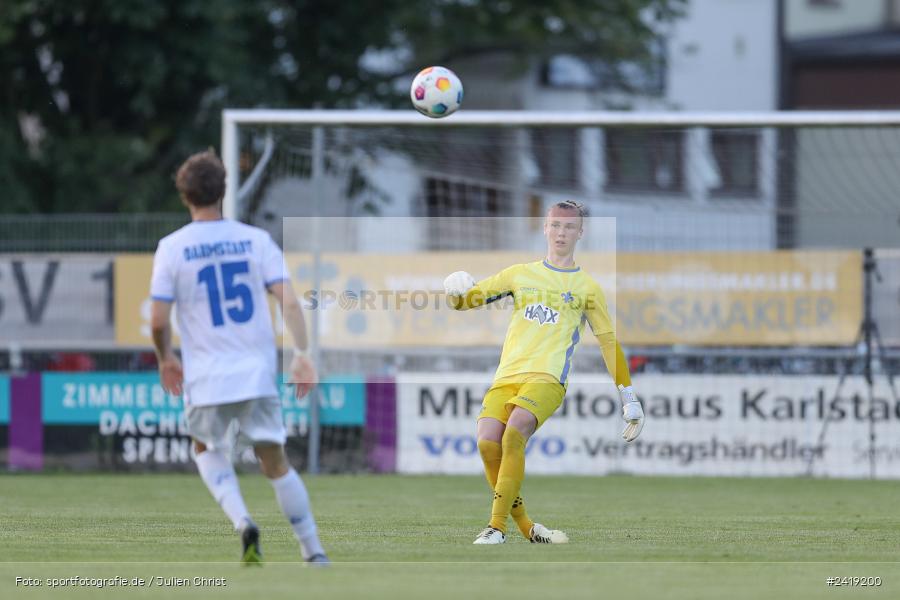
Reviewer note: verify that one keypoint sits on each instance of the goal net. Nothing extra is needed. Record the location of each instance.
(729, 247)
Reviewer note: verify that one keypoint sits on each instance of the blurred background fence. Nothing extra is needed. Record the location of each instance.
(85, 232)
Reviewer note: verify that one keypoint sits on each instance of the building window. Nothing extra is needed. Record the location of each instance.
(451, 207)
(737, 158)
(555, 151)
(644, 75)
(641, 161)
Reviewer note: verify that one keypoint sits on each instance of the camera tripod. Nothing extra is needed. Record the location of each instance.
(870, 338)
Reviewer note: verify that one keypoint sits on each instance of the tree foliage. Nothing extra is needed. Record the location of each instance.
(101, 99)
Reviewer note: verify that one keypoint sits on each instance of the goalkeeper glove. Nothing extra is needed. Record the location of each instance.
(632, 412)
(457, 284)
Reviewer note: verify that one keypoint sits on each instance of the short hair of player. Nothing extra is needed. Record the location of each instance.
(580, 208)
(572, 205)
(201, 179)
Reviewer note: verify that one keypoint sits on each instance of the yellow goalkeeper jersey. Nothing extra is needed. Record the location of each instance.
(552, 305)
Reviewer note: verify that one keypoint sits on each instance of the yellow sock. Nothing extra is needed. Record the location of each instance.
(491, 454)
(509, 477)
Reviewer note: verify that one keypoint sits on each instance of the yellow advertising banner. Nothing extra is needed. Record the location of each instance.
(783, 298)
(700, 298)
(131, 299)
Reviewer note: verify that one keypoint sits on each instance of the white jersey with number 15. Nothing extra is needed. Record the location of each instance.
(217, 273)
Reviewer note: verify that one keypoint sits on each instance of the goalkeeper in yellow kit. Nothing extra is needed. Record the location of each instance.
(554, 299)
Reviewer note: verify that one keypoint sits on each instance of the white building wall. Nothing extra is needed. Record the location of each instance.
(723, 56)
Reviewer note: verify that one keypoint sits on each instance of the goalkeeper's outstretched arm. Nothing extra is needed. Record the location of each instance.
(464, 293)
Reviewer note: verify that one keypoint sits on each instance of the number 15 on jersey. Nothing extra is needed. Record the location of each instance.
(241, 309)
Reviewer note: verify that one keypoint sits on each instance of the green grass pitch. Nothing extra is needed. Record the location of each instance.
(395, 536)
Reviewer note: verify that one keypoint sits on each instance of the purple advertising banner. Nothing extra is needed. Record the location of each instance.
(26, 428)
(381, 423)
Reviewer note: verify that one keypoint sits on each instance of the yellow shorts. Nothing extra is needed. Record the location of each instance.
(538, 393)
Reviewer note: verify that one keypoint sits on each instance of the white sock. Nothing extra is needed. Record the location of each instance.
(218, 474)
(294, 503)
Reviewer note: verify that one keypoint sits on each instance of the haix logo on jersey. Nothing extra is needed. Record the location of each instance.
(542, 314)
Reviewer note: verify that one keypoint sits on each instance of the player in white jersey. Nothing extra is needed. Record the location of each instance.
(218, 273)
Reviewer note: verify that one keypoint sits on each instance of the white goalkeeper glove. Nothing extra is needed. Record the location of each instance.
(457, 284)
(632, 412)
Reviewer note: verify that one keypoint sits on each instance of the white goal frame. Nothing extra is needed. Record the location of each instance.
(317, 120)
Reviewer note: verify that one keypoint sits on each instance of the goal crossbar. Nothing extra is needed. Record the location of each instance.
(501, 118)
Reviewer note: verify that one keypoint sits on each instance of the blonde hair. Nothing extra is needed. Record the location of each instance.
(571, 205)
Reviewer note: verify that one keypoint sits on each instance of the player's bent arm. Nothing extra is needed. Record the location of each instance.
(161, 328)
(303, 372)
(293, 314)
(170, 372)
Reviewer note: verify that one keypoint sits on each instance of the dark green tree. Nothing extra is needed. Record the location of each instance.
(101, 99)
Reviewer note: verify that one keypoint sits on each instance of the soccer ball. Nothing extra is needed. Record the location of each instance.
(436, 92)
